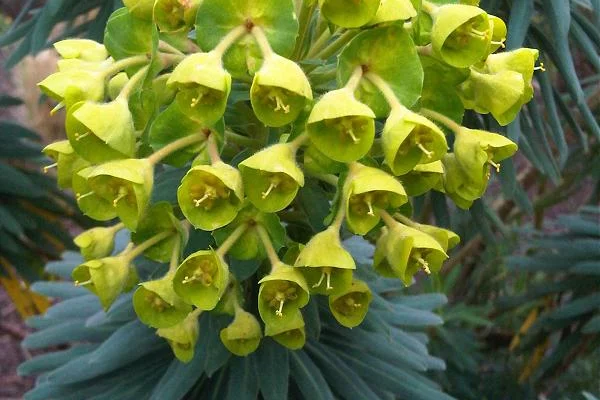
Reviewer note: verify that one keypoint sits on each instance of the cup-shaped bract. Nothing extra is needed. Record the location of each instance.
(182, 337)
(74, 85)
(290, 334)
(157, 305)
(127, 184)
(381, 264)
(476, 150)
(457, 184)
(272, 177)
(243, 335)
(499, 31)
(156, 219)
(201, 279)
(101, 132)
(326, 265)
(175, 15)
(89, 202)
(210, 196)
(500, 94)
(393, 10)
(281, 293)
(142, 9)
(116, 85)
(461, 34)
(203, 86)
(66, 160)
(341, 127)
(424, 177)
(96, 242)
(81, 49)
(410, 139)
(409, 250)
(350, 307)
(371, 189)
(279, 91)
(349, 14)
(107, 277)
(315, 162)
(446, 238)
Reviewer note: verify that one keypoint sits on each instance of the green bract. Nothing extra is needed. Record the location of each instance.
(127, 184)
(141, 9)
(97, 242)
(159, 218)
(341, 127)
(182, 337)
(201, 279)
(157, 305)
(290, 334)
(349, 14)
(74, 85)
(393, 10)
(459, 186)
(175, 15)
(211, 195)
(371, 189)
(202, 87)
(423, 178)
(82, 49)
(410, 139)
(461, 34)
(243, 335)
(89, 202)
(272, 177)
(279, 91)
(66, 160)
(101, 131)
(350, 306)
(326, 265)
(281, 293)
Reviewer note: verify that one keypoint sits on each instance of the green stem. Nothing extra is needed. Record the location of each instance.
(117, 227)
(195, 314)
(231, 239)
(266, 240)
(154, 240)
(456, 128)
(425, 50)
(174, 263)
(229, 39)
(322, 77)
(241, 140)
(429, 7)
(166, 47)
(304, 20)
(172, 147)
(389, 221)
(337, 44)
(405, 220)
(354, 79)
(385, 90)
(133, 83)
(213, 149)
(120, 65)
(341, 212)
(299, 141)
(327, 178)
(319, 44)
(262, 41)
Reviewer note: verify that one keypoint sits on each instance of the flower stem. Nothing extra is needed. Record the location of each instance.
(154, 240)
(166, 47)
(385, 90)
(231, 239)
(262, 41)
(341, 212)
(304, 20)
(319, 44)
(120, 65)
(172, 147)
(299, 141)
(337, 44)
(266, 240)
(213, 149)
(174, 263)
(429, 7)
(241, 140)
(389, 221)
(456, 128)
(355, 78)
(133, 83)
(404, 220)
(229, 39)
(425, 50)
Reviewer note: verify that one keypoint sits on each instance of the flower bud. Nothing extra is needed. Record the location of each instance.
(182, 337)
(281, 293)
(423, 178)
(157, 305)
(371, 189)
(203, 87)
(326, 265)
(175, 15)
(142, 9)
(279, 91)
(461, 34)
(81, 49)
(410, 139)
(127, 184)
(272, 177)
(107, 277)
(210, 196)
(349, 14)
(341, 127)
(201, 279)
(101, 132)
(393, 10)
(316, 162)
(67, 162)
(350, 307)
(243, 335)
(97, 242)
(409, 250)
(458, 186)
(290, 334)
(89, 202)
(156, 219)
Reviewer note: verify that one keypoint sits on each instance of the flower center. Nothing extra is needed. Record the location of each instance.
(278, 293)
(205, 273)
(156, 302)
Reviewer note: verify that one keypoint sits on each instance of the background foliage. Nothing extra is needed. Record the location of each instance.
(522, 313)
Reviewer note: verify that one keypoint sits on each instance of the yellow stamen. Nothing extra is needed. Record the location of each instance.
(83, 196)
(475, 32)
(58, 107)
(49, 167)
(351, 134)
(199, 201)
(424, 150)
(78, 136)
(320, 280)
(272, 186)
(77, 283)
(281, 105)
(500, 43)
(495, 165)
(329, 287)
(540, 68)
(424, 264)
(120, 197)
(279, 312)
(371, 213)
(196, 100)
